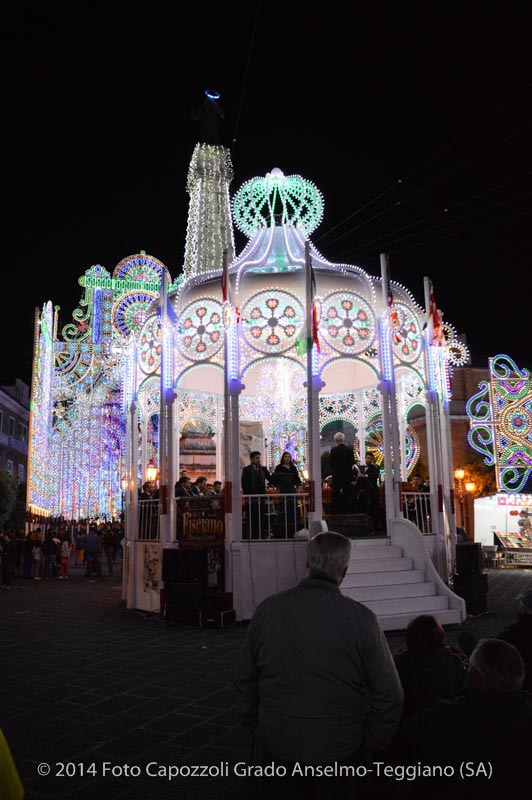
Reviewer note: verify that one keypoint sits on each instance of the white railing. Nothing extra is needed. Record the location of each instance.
(264, 516)
(416, 508)
(273, 516)
(148, 520)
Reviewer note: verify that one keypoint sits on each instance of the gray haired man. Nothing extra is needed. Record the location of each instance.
(315, 677)
(481, 737)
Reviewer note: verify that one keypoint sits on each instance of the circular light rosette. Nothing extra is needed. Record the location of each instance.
(347, 323)
(150, 345)
(200, 328)
(272, 320)
(406, 333)
(129, 314)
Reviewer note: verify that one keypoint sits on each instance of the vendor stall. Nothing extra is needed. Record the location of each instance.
(504, 521)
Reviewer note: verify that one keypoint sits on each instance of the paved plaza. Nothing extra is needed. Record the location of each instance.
(87, 682)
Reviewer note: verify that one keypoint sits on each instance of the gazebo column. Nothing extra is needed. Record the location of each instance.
(220, 469)
(233, 387)
(314, 385)
(361, 423)
(129, 572)
(434, 448)
(390, 427)
(447, 469)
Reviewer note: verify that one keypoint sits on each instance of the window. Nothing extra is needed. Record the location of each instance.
(11, 431)
(22, 432)
(1, 421)
(21, 473)
(10, 468)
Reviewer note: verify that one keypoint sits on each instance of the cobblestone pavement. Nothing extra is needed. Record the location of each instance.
(85, 681)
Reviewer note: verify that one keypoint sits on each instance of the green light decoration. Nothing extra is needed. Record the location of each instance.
(277, 199)
(500, 416)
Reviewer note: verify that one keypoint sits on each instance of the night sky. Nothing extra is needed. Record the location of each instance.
(415, 122)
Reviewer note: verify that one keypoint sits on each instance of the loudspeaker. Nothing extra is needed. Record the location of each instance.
(469, 558)
(474, 589)
(184, 616)
(185, 566)
(218, 619)
(184, 595)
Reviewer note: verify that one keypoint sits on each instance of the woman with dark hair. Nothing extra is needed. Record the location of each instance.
(428, 669)
(286, 478)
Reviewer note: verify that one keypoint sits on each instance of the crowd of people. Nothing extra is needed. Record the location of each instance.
(49, 554)
(323, 699)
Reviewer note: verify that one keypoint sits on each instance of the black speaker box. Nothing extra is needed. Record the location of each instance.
(184, 595)
(469, 558)
(477, 583)
(185, 566)
(218, 619)
(474, 589)
(183, 616)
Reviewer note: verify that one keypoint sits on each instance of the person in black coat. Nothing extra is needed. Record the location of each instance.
(483, 735)
(427, 668)
(253, 482)
(286, 478)
(341, 460)
(519, 634)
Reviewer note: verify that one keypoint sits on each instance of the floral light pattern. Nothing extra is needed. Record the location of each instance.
(201, 329)
(150, 345)
(271, 321)
(347, 323)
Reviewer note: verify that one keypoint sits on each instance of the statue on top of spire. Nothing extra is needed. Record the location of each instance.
(208, 115)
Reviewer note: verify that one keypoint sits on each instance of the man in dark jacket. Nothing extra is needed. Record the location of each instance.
(519, 634)
(93, 553)
(253, 482)
(315, 677)
(481, 737)
(427, 668)
(341, 461)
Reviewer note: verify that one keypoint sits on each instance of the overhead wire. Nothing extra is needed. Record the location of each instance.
(433, 182)
(361, 249)
(465, 230)
(427, 161)
(244, 82)
(457, 219)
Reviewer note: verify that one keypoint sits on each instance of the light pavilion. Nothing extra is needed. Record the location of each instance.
(221, 345)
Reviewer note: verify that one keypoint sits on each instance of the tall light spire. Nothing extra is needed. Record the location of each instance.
(210, 228)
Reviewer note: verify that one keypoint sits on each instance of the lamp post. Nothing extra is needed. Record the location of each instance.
(463, 488)
(123, 484)
(459, 477)
(151, 471)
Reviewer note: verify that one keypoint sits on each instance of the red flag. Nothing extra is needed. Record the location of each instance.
(315, 338)
(225, 280)
(393, 316)
(438, 336)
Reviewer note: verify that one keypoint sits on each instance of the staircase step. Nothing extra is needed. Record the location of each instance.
(379, 565)
(359, 553)
(370, 541)
(421, 605)
(400, 590)
(399, 621)
(382, 578)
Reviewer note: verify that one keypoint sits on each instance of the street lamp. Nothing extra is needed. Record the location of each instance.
(123, 484)
(463, 488)
(151, 471)
(459, 476)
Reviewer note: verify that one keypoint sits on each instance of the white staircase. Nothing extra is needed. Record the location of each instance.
(379, 577)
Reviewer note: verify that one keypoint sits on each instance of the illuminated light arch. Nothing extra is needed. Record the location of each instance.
(500, 417)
